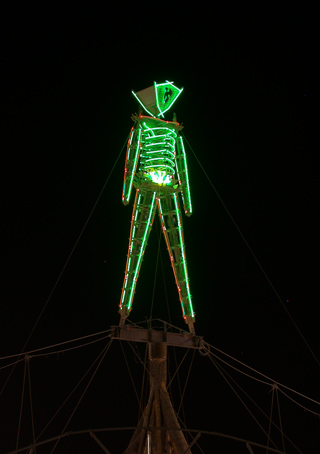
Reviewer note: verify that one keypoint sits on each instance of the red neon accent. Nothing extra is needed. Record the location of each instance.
(158, 119)
(130, 239)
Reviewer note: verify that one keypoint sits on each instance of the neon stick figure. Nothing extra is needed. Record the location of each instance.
(156, 166)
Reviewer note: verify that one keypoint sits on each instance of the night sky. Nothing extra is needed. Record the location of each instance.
(249, 110)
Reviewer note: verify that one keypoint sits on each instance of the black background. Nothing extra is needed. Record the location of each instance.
(249, 111)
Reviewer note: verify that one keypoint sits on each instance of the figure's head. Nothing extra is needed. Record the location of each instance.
(159, 98)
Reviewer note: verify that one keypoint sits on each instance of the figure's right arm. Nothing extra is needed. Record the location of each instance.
(133, 150)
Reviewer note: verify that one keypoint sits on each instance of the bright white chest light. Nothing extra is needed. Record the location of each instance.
(160, 177)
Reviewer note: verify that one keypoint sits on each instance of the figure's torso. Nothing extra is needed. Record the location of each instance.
(157, 162)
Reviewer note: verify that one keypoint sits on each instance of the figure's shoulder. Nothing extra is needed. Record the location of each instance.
(147, 122)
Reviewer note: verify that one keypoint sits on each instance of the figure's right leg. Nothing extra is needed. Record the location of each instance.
(170, 216)
(142, 218)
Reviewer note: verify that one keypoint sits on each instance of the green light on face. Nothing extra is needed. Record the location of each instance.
(157, 99)
(166, 95)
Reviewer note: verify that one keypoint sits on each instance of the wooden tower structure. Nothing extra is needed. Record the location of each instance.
(158, 430)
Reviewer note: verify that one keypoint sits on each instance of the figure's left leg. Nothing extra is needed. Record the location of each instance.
(171, 221)
(142, 218)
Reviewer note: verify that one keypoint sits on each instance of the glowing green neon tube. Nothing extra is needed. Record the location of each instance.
(156, 165)
(134, 166)
(185, 175)
(191, 312)
(151, 213)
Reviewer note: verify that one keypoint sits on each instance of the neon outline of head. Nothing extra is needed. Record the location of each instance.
(158, 102)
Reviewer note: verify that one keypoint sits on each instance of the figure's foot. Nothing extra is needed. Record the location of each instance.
(192, 330)
(191, 325)
(123, 311)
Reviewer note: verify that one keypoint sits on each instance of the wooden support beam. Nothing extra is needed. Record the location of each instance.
(158, 427)
(129, 333)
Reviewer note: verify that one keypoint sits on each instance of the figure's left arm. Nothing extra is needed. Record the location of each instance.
(182, 168)
(133, 150)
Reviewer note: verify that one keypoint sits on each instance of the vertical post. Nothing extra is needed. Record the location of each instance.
(159, 429)
(158, 362)
(158, 381)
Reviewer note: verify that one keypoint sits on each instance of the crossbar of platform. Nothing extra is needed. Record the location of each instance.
(129, 333)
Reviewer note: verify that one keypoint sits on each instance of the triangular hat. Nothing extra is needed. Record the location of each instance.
(157, 99)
